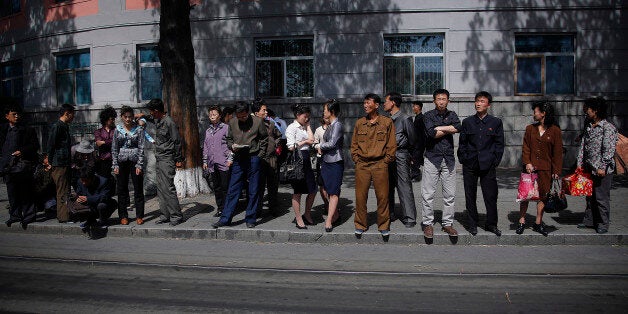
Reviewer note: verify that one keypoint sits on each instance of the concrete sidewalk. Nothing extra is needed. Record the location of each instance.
(199, 211)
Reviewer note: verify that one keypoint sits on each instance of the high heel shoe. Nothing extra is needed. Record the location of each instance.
(520, 228)
(329, 229)
(306, 222)
(299, 227)
(540, 228)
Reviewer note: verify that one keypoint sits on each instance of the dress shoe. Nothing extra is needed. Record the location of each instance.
(358, 233)
(218, 213)
(601, 230)
(300, 227)
(450, 231)
(162, 221)
(329, 229)
(250, 225)
(176, 222)
(11, 221)
(219, 224)
(584, 226)
(494, 230)
(473, 230)
(520, 227)
(139, 221)
(428, 231)
(24, 225)
(124, 221)
(540, 228)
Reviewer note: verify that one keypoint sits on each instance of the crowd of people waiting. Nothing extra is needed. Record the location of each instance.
(245, 144)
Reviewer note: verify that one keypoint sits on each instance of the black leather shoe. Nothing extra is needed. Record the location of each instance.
(330, 229)
(219, 224)
(305, 221)
(218, 213)
(494, 230)
(520, 228)
(473, 231)
(409, 224)
(250, 225)
(11, 221)
(540, 228)
(299, 227)
(162, 221)
(25, 225)
(584, 226)
(176, 222)
(601, 230)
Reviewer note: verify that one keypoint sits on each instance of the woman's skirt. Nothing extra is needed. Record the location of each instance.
(332, 176)
(308, 184)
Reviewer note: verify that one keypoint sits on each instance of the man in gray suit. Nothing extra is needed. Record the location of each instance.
(399, 170)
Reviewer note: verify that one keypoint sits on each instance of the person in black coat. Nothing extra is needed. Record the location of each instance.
(95, 192)
(19, 146)
(419, 146)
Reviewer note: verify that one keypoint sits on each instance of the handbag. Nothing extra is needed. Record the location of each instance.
(578, 184)
(556, 200)
(292, 168)
(528, 187)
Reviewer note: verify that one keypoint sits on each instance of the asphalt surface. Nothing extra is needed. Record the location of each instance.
(199, 214)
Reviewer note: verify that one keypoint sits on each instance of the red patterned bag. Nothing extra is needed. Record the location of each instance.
(528, 187)
(578, 184)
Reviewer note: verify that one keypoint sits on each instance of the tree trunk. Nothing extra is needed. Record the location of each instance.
(179, 94)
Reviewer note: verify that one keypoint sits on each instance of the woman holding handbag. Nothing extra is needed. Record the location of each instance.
(595, 156)
(332, 167)
(299, 138)
(542, 153)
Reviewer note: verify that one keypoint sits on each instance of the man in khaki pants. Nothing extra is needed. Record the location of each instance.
(373, 147)
(59, 145)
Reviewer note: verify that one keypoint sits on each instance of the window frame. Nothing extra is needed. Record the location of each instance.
(413, 56)
(73, 71)
(543, 56)
(284, 66)
(3, 79)
(141, 65)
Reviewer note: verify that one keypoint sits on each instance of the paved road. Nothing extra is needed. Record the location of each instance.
(43, 273)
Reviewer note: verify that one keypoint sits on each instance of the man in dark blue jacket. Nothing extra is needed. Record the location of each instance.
(480, 151)
(94, 191)
(19, 145)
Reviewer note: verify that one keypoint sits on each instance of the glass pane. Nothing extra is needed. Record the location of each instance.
(428, 73)
(414, 44)
(16, 6)
(83, 88)
(65, 85)
(73, 61)
(544, 43)
(11, 70)
(18, 88)
(559, 75)
(529, 76)
(269, 78)
(7, 88)
(398, 75)
(300, 78)
(151, 82)
(149, 54)
(284, 48)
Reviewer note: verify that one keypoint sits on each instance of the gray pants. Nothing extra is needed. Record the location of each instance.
(168, 201)
(447, 176)
(597, 213)
(400, 178)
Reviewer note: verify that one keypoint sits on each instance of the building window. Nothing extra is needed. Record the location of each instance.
(9, 7)
(413, 64)
(73, 79)
(544, 64)
(150, 83)
(284, 68)
(12, 81)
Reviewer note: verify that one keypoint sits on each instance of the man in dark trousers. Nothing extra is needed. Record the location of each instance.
(59, 146)
(168, 155)
(419, 145)
(480, 151)
(19, 155)
(95, 192)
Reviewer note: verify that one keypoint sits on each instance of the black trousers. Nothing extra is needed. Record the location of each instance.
(220, 184)
(597, 213)
(102, 211)
(126, 170)
(488, 183)
(20, 192)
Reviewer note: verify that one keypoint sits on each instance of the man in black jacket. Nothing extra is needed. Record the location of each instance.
(59, 146)
(19, 154)
(419, 145)
(95, 192)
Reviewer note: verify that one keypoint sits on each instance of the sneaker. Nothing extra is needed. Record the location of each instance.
(428, 231)
(450, 231)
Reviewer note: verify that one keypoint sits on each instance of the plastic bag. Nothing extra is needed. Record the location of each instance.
(528, 187)
(578, 184)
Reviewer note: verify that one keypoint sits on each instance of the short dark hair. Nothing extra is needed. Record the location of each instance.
(257, 104)
(599, 105)
(440, 91)
(87, 171)
(374, 97)
(418, 103)
(241, 106)
(547, 108)
(214, 107)
(66, 108)
(298, 109)
(333, 106)
(156, 104)
(126, 109)
(12, 108)
(225, 112)
(395, 98)
(484, 94)
(107, 113)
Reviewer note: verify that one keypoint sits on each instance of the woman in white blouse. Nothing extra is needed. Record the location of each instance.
(318, 139)
(299, 137)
